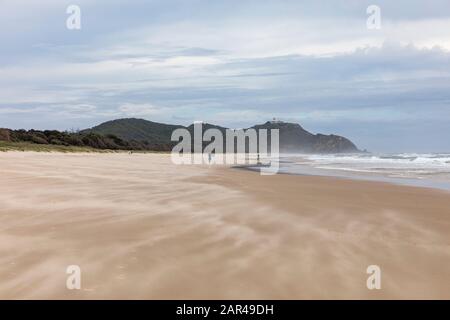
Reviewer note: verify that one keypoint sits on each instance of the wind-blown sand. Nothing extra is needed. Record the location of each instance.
(142, 228)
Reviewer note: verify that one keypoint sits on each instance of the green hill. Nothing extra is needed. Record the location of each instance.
(293, 138)
(136, 129)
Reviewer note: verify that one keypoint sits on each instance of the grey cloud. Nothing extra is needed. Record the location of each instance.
(126, 54)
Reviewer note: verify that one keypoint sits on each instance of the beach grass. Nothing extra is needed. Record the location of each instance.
(27, 146)
(34, 147)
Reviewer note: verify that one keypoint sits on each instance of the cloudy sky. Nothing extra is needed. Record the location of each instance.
(233, 63)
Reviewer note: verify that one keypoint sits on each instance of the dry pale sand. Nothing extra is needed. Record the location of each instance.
(142, 228)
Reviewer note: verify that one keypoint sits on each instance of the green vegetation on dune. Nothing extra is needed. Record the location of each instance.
(57, 140)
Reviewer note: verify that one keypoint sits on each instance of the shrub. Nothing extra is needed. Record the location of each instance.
(38, 139)
(5, 135)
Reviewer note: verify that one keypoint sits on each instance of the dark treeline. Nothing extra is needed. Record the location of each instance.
(79, 139)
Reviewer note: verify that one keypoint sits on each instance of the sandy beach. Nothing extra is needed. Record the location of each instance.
(141, 227)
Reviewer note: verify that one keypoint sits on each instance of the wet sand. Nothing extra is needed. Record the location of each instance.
(140, 227)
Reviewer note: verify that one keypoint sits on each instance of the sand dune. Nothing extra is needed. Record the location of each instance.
(142, 228)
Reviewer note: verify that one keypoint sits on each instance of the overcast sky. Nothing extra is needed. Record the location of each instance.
(233, 63)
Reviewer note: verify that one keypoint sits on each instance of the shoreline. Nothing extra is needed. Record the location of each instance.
(334, 174)
(411, 183)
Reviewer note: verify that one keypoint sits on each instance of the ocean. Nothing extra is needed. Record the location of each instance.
(415, 169)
